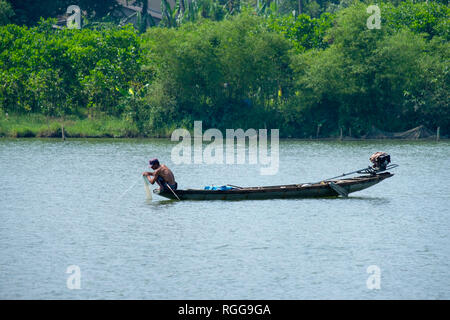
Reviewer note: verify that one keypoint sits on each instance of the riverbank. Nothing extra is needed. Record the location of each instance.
(38, 126)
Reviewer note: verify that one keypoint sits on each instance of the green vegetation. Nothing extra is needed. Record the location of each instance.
(37, 125)
(30, 12)
(231, 66)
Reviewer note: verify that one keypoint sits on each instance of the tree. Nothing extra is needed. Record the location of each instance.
(48, 88)
(303, 31)
(29, 12)
(227, 73)
(6, 13)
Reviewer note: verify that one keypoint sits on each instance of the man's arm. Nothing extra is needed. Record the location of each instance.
(147, 173)
(155, 175)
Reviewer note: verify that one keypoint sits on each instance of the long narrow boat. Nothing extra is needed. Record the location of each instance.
(327, 188)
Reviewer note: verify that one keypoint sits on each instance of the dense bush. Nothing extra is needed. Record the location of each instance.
(303, 31)
(229, 73)
(60, 72)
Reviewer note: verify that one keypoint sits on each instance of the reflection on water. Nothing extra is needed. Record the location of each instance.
(164, 203)
(375, 200)
(78, 203)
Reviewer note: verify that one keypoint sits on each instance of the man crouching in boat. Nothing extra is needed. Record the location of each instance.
(162, 175)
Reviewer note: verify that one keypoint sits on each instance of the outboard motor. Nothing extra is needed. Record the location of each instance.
(380, 160)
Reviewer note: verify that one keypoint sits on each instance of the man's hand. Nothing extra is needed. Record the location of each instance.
(146, 173)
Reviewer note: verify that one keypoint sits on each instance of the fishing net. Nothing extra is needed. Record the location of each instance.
(148, 192)
(420, 132)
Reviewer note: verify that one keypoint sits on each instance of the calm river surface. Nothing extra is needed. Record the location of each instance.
(65, 204)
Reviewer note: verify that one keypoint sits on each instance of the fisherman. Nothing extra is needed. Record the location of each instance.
(162, 175)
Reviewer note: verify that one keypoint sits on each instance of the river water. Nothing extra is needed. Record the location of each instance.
(65, 204)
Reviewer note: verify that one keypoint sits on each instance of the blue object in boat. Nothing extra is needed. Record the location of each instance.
(222, 188)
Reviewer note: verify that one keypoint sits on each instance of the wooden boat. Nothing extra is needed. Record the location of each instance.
(327, 188)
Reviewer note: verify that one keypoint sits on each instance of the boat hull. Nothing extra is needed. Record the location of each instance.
(317, 190)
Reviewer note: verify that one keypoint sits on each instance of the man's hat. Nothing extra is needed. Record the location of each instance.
(153, 161)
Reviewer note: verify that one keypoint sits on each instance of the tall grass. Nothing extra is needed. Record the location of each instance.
(36, 125)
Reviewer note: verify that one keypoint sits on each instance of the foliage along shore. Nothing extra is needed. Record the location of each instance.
(306, 76)
(38, 126)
